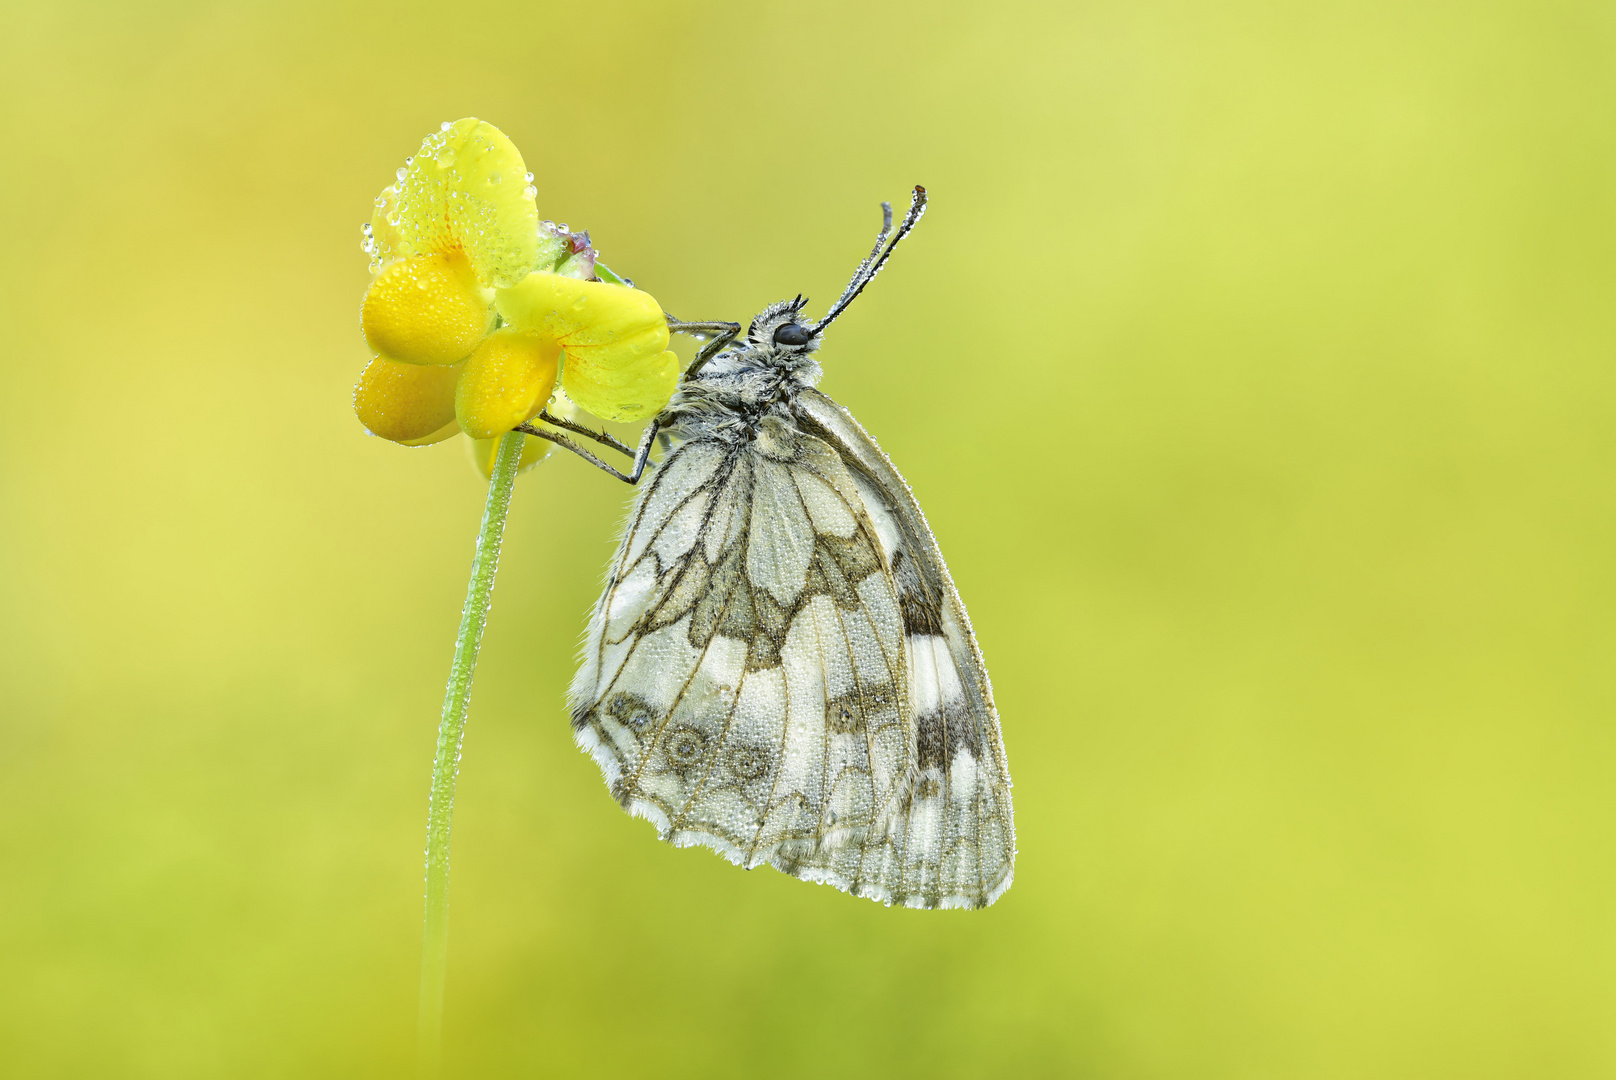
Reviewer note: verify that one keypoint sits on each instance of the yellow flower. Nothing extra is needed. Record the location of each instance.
(477, 310)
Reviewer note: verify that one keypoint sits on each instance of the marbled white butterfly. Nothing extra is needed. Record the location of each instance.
(780, 667)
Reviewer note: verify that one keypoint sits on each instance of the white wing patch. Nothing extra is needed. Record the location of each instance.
(779, 669)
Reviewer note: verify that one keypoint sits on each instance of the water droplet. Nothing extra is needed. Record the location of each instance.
(445, 126)
(563, 227)
(530, 192)
(402, 172)
(493, 178)
(528, 177)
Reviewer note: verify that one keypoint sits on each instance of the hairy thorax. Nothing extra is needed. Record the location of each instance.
(733, 392)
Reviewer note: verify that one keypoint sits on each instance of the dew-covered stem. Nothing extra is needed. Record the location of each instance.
(451, 732)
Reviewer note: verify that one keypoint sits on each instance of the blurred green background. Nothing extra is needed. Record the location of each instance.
(1254, 366)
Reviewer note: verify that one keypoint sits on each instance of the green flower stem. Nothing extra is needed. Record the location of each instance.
(451, 732)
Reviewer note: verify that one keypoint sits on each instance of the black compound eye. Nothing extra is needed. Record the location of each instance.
(792, 334)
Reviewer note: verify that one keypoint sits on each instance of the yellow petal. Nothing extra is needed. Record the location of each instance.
(580, 313)
(483, 451)
(407, 403)
(466, 189)
(426, 309)
(625, 392)
(506, 381)
(618, 365)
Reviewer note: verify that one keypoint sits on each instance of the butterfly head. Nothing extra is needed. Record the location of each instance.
(780, 328)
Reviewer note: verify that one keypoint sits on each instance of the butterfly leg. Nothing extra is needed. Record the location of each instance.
(641, 456)
(578, 429)
(723, 333)
(725, 330)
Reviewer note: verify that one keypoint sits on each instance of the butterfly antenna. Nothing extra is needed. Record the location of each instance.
(871, 266)
(863, 267)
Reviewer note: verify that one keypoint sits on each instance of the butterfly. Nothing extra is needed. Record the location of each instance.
(780, 667)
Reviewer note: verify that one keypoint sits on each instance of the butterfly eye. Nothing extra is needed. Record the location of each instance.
(792, 334)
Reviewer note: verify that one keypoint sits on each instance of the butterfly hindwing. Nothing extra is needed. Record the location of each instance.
(780, 669)
(743, 683)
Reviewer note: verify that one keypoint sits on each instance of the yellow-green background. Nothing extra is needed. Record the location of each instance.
(1254, 366)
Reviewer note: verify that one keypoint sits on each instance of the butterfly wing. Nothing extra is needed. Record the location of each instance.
(743, 683)
(781, 669)
(952, 842)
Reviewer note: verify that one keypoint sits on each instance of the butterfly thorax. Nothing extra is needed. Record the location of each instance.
(735, 390)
